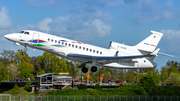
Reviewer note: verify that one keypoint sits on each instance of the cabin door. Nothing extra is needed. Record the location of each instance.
(35, 39)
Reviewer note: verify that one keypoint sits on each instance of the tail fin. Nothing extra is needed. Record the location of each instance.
(149, 44)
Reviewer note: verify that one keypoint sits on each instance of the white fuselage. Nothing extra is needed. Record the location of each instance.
(62, 47)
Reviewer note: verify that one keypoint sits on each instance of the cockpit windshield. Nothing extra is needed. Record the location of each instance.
(23, 32)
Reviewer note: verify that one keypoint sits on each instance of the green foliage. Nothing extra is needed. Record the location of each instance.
(154, 74)
(164, 74)
(51, 63)
(166, 90)
(120, 85)
(3, 71)
(148, 83)
(173, 78)
(0, 80)
(41, 72)
(28, 83)
(23, 61)
(14, 91)
(25, 73)
(98, 87)
(82, 86)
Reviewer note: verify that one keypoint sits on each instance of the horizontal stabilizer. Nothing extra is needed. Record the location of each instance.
(155, 52)
(165, 54)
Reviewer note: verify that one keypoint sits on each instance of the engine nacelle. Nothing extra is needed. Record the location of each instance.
(117, 46)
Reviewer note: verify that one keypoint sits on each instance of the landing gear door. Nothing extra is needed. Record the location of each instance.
(35, 39)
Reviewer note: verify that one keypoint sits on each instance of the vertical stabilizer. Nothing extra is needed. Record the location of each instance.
(150, 43)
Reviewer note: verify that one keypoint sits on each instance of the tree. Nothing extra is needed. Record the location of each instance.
(72, 67)
(7, 56)
(25, 73)
(51, 63)
(37, 68)
(154, 74)
(13, 70)
(23, 61)
(28, 83)
(164, 74)
(3, 71)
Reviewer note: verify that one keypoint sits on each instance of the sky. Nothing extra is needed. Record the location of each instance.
(95, 22)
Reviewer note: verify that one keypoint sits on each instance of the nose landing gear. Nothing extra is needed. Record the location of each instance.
(25, 49)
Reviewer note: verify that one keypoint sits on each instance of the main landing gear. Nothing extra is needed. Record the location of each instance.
(85, 69)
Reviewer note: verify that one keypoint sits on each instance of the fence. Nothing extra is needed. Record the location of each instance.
(5, 97)
(8, 97)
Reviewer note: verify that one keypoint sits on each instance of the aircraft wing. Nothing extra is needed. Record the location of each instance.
(105, 59)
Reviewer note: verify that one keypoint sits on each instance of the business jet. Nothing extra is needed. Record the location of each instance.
(117, 56)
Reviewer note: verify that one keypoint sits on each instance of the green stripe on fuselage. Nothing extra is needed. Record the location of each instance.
(38, 45)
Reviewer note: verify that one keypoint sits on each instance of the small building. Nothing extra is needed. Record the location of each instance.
(45, 81)
(48, 81)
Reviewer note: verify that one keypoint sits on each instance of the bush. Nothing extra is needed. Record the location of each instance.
(98, 87)
(120, 85)
(82, 86)
(28, 83)
(148, 83)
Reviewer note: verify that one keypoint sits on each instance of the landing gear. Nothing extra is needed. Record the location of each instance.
(25, 48)
(83, 66)
(84, 70)
(93, 68)
(23, 53)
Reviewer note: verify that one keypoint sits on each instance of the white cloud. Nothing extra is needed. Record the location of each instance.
(5, 21)
(171, 34)
(170, 41)
(43, 25)
(102, 28)
(149, 11)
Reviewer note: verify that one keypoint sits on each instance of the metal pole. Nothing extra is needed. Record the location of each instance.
(139, 98)
(8, 75)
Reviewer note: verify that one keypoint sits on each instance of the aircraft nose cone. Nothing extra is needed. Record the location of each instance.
(9, 36)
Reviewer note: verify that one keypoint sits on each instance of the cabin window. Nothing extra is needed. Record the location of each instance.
(72, 45)
(100, 52)
(48, 39)
(55, 41)
(97, 52)
(94, 51)
(79, 47)
(66, 44)
(86, 49)
(51, 40)
(76, 46)
(62, 43)
(69, 45)
(90, 50)
(59, 42)
(83, 48)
